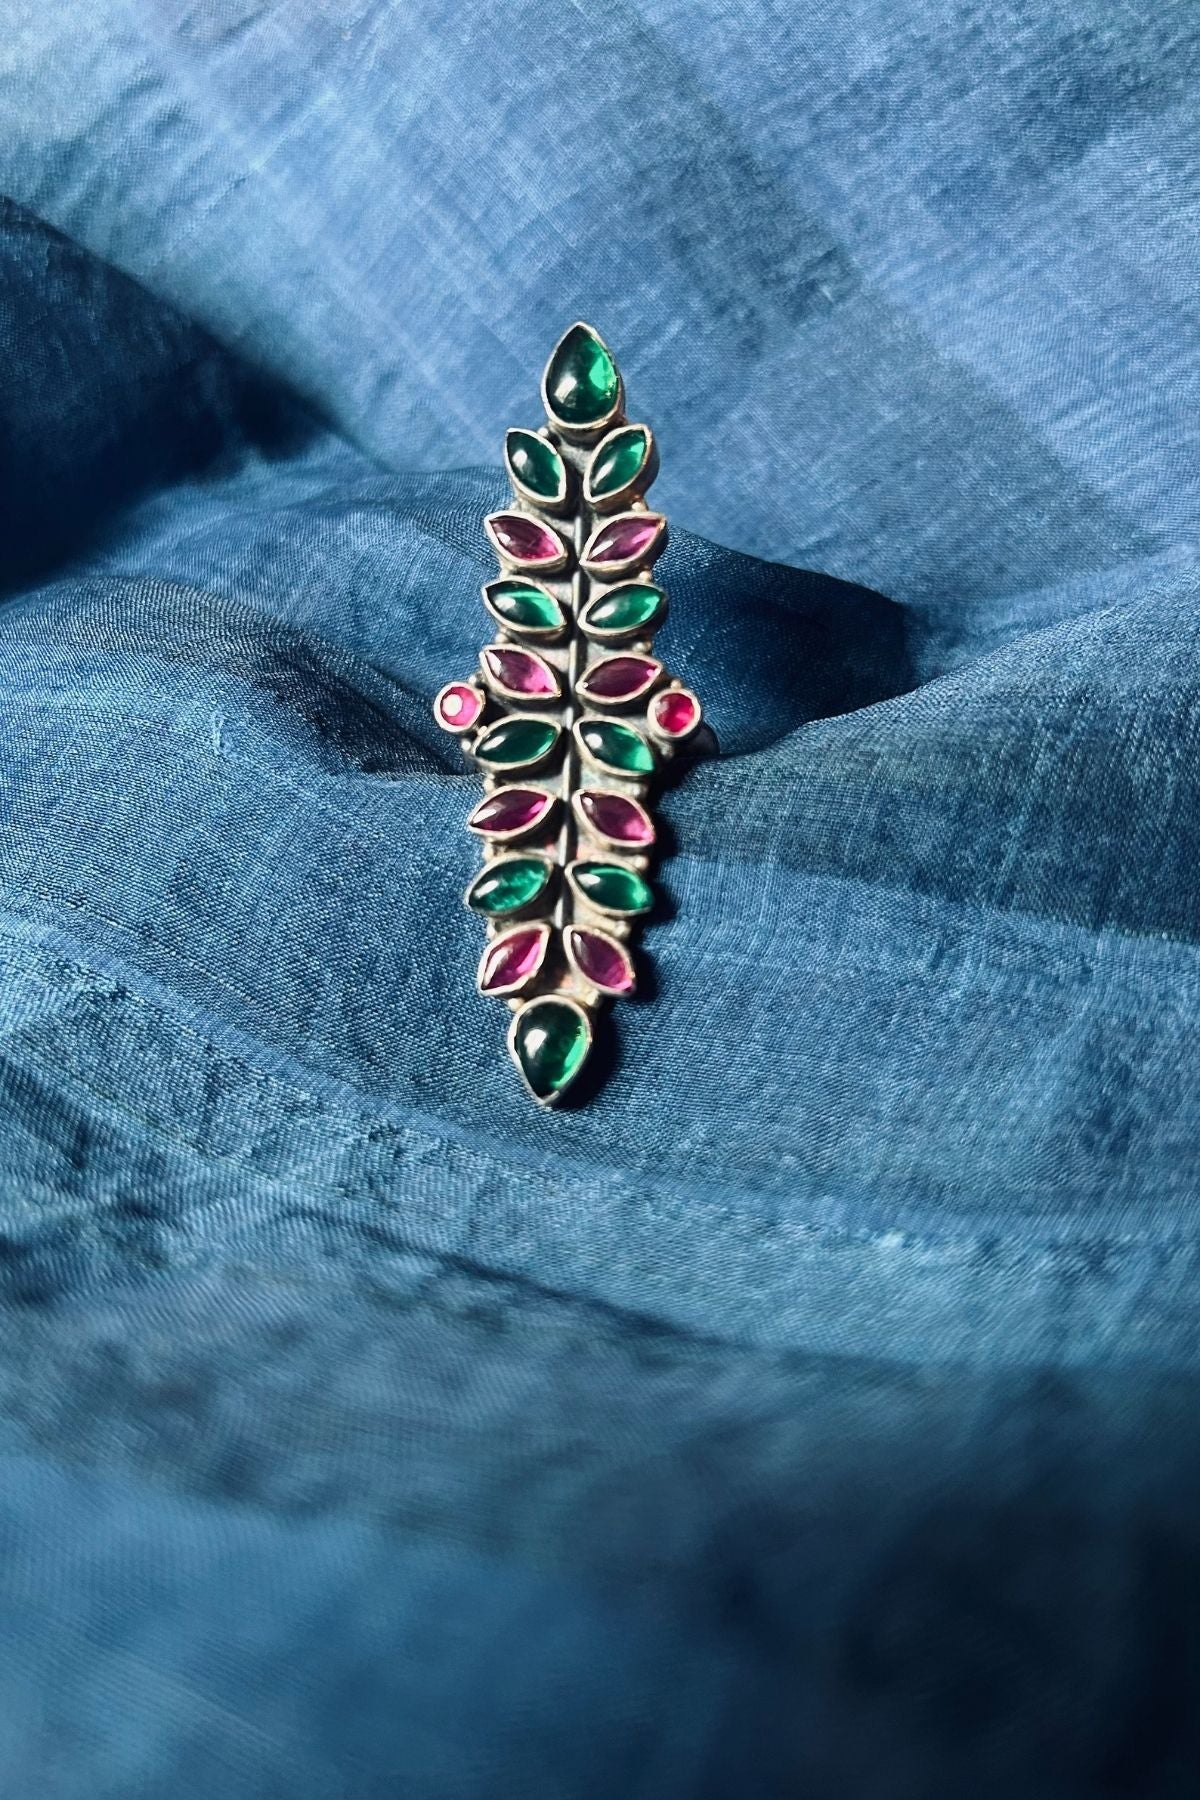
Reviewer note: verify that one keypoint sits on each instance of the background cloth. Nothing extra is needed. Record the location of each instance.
(815, 1411)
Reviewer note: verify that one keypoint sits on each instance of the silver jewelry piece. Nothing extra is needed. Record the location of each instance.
(570, 717)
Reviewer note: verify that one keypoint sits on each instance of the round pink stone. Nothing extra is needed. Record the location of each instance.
(512, 958)
(510, 809)
(614, 817)
(520, 672)
(601, 960)
(676, 712)
(619, 677)
(458, 706)
(523, 540)
(625, 539)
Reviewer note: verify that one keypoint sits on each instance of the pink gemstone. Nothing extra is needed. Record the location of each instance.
(619, 677)
(511, 959)
(458, 706)
(625, 539)
(600, 960)
(676, 712)
(510, 809)
(524, 540)
(519, 672)
(614, 817)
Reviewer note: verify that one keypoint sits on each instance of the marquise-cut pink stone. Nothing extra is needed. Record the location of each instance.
(619, 677)
(520, 672)
(510, 809)
(675, 712)
(512, 957)
(602, 961)
(458, 706)
(625, 539)
(616, 818)
(524, 539)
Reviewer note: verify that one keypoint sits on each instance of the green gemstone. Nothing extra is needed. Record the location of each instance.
(634, 607)
(613, 888)
(618, 461)
(535, 464)
(507, 885)
(515, 742)
(550, 1041)
(582, 384)
(618, 747)
(524, 606)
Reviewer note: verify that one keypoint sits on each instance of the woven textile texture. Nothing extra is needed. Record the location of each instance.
(815, 1411)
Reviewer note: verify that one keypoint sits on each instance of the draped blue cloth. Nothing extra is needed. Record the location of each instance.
(814, 1412)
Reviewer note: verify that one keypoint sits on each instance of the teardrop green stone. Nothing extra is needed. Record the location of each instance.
(582, 384)
(524, 606)
(507, 885)
(617, 746)
(613, 888)
(550, 1041)
(513, 743)
(535, 464)
(627, 609)
(618, 461)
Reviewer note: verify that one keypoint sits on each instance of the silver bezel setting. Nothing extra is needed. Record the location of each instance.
(610, 569)
(497, 943)
(551, 1099)
(490, 866)
(545, 634)
(601, 987)
(492, 767)
(526, 565)
(459, 731)
(624, 634)
(629, 864)
(575, 433)
(620, 702)
(636, 485)
(515, 833)
(639, 776)
(553, 503)
(518, 695)
(669, 738)
(622, 845)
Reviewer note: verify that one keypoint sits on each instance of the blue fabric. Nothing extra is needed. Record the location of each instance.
(815, 1411)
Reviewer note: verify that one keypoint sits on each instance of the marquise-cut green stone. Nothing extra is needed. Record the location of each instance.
(618, 747)
(508, 885)
(550, 1041)
(634, 607)
(582, 384)
(618, 461)
(613, 888)
(524, 606)
(535, 464)
(515, 743)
